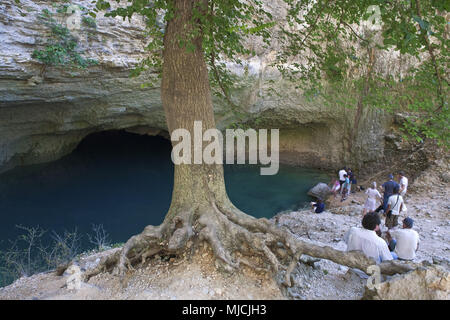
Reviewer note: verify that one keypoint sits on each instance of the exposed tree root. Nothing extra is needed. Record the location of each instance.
(236, 239)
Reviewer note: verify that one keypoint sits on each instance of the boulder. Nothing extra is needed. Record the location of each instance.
(349, 210)
(430, 283)
(321, 190)
(445, 177)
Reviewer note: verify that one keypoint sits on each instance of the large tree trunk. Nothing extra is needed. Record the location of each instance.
(186, 97)
(200, 209)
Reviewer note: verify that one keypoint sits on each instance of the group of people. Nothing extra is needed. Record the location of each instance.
(347, 179)
(380, 241)
(386, 242)
(392, 200)
(400, 243)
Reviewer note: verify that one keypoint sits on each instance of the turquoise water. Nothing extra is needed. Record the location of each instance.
(124, 182)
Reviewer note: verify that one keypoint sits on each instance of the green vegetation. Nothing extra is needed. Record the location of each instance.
(89, 22)
(324, 36)
(416, 29)
(223, 34)
(61, 48)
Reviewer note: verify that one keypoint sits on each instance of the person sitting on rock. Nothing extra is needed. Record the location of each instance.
(319, 206)
(404, 242)
(366, 240)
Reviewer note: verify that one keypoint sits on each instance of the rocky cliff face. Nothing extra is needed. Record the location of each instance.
(43, 116)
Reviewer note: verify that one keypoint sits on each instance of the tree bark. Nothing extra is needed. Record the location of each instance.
(186, 97)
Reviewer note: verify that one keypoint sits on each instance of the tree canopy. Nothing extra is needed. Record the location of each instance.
(318, 49)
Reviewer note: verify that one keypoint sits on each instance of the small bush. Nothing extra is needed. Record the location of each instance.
(29, 255)
(61, 48)
(89, 22)
(100, 237)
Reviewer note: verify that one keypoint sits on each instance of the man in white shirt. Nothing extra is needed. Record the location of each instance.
(342, 174)
(403, 183)
(404, 241)
(367, 241)
(394, 206)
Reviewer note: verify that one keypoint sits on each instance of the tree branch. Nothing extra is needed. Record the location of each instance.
(217, 77)
(353, 31)
(433, 58)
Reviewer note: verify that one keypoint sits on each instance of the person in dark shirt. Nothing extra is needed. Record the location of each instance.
(319, 206)
(388, 188)
(352, 177)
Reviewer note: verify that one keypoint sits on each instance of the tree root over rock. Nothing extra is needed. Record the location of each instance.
(236, 239)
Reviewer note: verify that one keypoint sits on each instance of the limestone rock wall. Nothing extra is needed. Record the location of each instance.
(432, 283)
(43, 116)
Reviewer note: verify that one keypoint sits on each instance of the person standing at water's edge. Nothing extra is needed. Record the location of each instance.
(342, 172)
(335, 187)
(345, 189)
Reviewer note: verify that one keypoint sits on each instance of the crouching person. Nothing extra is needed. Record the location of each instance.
(319, 206)
(366, 239)
(404, 242)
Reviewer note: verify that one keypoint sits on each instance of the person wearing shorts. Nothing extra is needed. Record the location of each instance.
(394, 207)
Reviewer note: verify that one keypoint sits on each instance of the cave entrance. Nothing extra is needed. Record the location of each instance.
(124, 182)
(117, 179)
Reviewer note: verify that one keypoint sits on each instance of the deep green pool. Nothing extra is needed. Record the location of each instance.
(124, 182)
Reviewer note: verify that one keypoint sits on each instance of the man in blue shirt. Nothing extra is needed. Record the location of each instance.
(319, 206)
(388, 188)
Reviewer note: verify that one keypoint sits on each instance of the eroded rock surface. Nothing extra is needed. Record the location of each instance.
(320, 191)
(431, 283)
(44, 115)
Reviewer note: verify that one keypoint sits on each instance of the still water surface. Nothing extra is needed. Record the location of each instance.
(124, 182)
